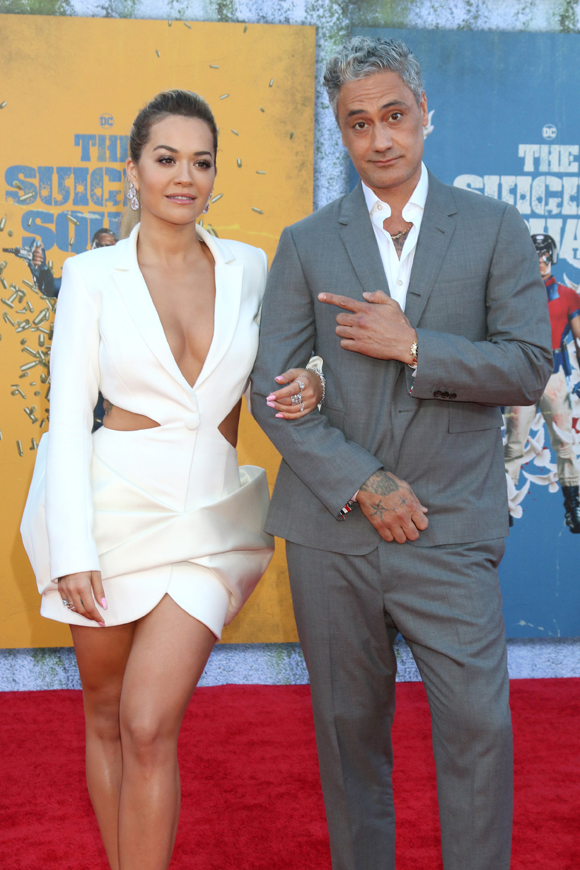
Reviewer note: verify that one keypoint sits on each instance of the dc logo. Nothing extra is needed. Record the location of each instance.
(549, 131)
(108, 121)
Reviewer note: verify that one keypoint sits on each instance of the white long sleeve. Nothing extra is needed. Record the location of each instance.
(74, 373)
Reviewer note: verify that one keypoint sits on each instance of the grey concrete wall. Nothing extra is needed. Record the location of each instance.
(275, 664)
(283, 663)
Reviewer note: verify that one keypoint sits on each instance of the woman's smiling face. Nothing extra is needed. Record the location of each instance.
(176, 171)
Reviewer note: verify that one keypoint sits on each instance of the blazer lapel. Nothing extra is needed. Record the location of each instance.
(437, 228)
(360, 242)
(229, 274)
(135, 294)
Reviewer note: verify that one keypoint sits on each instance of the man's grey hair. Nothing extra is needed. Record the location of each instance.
(362, 56)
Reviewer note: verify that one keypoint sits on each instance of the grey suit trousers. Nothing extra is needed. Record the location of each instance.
(446, 602)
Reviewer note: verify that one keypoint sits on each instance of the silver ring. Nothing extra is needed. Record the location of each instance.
(66, 602)
(302, 407)
(302, 385)
(297, 398)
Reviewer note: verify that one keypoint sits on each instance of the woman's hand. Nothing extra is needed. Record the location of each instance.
(82, 590)
(303, 384)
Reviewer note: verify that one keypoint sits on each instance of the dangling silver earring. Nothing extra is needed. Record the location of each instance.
(208, 203)
(132, 196)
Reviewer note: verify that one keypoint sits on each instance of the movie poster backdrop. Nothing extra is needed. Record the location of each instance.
(69, 90)
(504, 122)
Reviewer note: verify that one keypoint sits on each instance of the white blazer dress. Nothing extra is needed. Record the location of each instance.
(158, 511)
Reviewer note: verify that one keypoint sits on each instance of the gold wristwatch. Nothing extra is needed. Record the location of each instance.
(414, 351)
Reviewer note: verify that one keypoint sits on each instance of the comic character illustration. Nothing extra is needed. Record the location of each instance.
(555, 404)
(45, 280)
(35, 257)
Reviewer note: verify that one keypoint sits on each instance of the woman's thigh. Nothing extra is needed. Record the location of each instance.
(102, 656)
(169, 652)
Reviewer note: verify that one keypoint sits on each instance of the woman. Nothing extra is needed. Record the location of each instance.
(151, 529)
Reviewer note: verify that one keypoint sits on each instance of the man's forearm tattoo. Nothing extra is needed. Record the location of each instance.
(381, 483)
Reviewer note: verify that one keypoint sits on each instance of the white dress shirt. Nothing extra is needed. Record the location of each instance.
(398, 271)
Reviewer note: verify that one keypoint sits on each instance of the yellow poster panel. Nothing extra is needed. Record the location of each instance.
(69, 90)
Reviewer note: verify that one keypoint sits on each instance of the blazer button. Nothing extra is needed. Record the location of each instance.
(452, 395)
(192, 421)
(445, 395)
(437, 394)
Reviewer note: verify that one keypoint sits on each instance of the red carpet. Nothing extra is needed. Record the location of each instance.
(251, 796)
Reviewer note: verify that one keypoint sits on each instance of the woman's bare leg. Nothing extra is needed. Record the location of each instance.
(102, 657)
(169, 652)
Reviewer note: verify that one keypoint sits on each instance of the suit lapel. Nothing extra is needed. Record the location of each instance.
(135, 294)
(229, 274)
(437, 228)
(360, 242)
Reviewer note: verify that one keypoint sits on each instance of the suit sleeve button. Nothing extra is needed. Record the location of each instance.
(452, 395)
(445, 395)
(437, 394)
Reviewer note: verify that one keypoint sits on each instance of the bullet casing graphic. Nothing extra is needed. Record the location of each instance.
(42, 316)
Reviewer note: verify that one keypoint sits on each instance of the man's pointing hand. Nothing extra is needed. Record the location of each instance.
(377, 327)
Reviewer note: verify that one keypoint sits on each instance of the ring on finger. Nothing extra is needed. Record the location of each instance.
(66, 602)
(302, 385)
(302, 407)
(297, 399)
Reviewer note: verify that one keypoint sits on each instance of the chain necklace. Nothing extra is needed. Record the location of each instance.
(402, 233)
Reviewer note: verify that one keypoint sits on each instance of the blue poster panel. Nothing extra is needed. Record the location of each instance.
(504, 122)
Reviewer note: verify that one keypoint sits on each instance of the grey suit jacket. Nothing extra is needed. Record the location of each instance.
(480, 309)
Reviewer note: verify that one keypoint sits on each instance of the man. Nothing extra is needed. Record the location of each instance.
(47, 283)
(555, 404)
(103, 238)
(397, 441)
(50, 286)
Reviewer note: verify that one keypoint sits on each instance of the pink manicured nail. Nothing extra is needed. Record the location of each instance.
(271, 404)
(279, 415)
(271, 397)
(101, 624)
(279, 378)
(104, 604)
